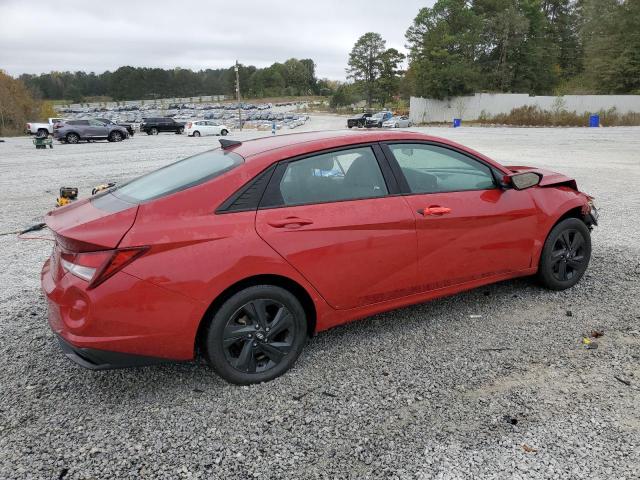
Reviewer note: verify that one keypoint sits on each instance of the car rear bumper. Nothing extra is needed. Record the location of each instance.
(123, 322)
(94, 359)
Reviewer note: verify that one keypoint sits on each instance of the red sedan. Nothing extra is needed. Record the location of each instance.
(242, 252)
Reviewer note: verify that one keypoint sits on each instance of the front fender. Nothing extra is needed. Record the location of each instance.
(554, 203)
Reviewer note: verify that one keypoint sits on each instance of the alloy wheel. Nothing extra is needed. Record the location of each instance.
(258, 336)
(567, 256)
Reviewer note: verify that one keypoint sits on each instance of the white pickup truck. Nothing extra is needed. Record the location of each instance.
(42, 129)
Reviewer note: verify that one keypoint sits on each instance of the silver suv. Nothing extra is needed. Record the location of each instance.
(73, 131)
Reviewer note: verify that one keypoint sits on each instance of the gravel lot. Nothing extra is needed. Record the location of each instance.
(493, 383)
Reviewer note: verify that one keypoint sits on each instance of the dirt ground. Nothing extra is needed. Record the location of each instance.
(492, 383)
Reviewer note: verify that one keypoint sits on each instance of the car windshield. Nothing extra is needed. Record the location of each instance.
(178, 176)
(378, 115)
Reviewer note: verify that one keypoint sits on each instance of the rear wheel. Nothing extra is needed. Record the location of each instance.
(256, 335)
(565, 255)
(196, 133)
(154, 131)
(72, 138)
(179, 131)
(43, 132)
(223, 132)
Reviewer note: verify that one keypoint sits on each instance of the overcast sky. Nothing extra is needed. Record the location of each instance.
(40, 36)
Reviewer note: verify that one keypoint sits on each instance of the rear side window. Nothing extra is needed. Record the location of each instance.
(178, 176)
(433, 169)
(330, 177)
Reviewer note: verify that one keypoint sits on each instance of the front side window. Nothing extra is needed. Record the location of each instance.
(331, 177)
(433, 169)
(178, 176)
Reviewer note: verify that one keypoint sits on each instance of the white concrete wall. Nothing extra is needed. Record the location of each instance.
(423, 110)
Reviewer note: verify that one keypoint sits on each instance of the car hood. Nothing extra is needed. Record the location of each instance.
(91, 224)
(549, 177)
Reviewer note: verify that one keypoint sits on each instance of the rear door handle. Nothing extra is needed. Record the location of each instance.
(435, 210)
(291, 222)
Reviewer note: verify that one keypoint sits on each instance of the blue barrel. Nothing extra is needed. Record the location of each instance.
(457, 122)
(594, 121)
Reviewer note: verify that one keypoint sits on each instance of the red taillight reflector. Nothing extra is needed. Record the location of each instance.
(188, 124)
(96, 267)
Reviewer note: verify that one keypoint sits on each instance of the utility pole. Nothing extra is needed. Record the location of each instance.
(237, 68)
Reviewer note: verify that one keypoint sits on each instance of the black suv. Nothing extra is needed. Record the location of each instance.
(153, 126)
(358, 120)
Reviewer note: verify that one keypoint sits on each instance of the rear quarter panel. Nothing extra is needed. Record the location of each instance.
(199, 253)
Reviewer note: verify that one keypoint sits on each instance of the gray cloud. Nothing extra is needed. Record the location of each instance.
(74, 35)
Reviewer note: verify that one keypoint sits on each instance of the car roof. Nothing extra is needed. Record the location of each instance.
(274, 148)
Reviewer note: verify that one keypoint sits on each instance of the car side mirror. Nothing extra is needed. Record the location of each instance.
(520, 181)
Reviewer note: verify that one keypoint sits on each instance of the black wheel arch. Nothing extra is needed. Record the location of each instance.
(277, 280)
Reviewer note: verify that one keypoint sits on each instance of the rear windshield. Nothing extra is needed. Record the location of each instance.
(178, 176)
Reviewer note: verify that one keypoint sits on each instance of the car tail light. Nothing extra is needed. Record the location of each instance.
(28, 126)
(188, 124)
(96, 267)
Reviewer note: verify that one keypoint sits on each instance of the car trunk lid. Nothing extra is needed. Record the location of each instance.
(92, 224)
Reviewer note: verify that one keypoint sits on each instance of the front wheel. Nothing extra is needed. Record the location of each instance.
(565, 255)
(179, 131)
(223, 132)
(256, 335)
(154, 131)
(115, 137)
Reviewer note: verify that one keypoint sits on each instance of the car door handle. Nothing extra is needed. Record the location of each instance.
(435, 210)
(291, 222)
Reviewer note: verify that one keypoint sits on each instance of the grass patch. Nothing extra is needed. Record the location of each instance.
(535, 116)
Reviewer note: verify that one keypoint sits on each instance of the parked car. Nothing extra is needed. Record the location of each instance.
(358, 120)
(42, 129)
(244, 251)
(397, 122)
(205, 127)
(378, 119)
(74, 131)
(127, 126)
(156, 125)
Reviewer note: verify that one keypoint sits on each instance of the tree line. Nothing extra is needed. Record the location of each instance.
(456, 47)
(459, 47)
(291, 78)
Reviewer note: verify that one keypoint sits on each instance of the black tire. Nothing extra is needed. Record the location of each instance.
(196, 133)
(242, 353)
(42, 132)
(154, 131)
(224, 132)
(350, 126)
(72, 138)
(115, 137)
(565, 255)
(148, 132)
(179, 131)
